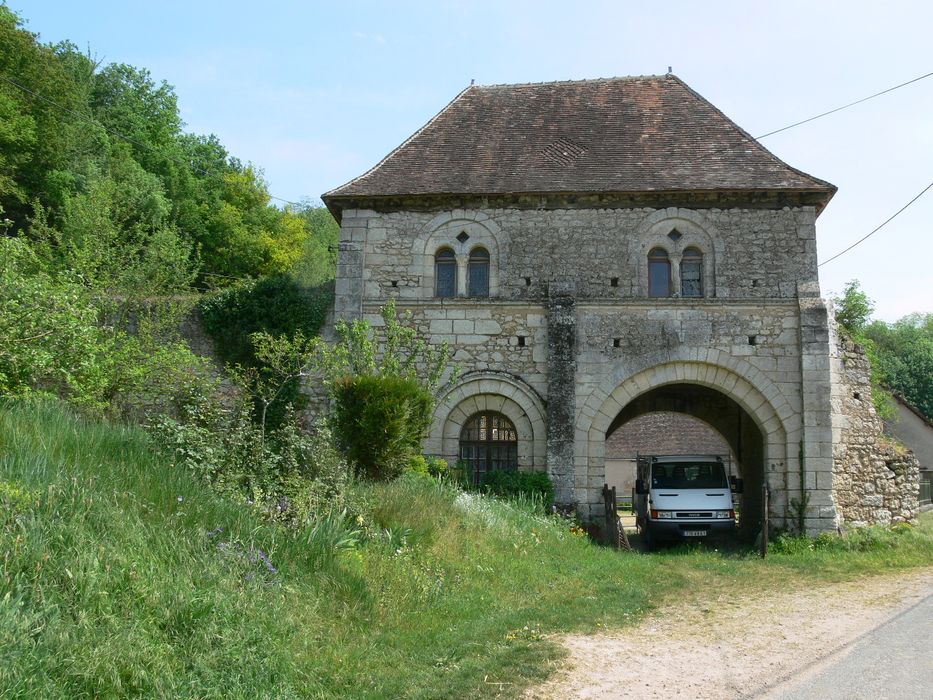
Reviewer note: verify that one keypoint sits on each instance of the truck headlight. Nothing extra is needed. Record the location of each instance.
(658, 514)
(724, 514)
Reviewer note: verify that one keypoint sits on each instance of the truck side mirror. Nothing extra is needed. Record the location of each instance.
(640, 487)
(738, 485)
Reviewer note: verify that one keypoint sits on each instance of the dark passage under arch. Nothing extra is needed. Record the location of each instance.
(725, 416)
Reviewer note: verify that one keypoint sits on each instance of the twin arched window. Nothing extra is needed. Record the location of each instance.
(445, 273)
(660, 282)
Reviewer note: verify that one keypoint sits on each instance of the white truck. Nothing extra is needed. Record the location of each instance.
(684, 497)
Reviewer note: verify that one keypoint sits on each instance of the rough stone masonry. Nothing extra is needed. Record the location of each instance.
(596, 251)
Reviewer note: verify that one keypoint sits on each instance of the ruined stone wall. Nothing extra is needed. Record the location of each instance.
(875, 481)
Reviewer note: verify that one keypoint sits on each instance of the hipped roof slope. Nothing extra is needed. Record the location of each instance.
(625, 135)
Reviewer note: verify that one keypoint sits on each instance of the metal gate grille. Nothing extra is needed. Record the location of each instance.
(488, 442)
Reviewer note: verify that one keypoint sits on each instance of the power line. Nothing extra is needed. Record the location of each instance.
(90, 120)
(846, 106)
(878, 228)
(755, 139)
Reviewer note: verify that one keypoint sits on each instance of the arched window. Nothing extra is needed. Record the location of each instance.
(445, 273)
(488, 442)
(659, 273)
(691, 273)
(478, 273)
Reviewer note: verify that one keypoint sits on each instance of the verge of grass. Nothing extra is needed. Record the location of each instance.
(123, 576)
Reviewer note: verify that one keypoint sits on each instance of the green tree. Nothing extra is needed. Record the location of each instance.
(854, 308)
(903, 353)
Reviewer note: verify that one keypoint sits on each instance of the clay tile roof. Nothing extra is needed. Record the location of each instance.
(625, 135)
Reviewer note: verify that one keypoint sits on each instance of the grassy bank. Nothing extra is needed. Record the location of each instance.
(121, 575)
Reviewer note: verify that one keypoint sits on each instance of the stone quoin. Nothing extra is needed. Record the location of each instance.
(596, 251)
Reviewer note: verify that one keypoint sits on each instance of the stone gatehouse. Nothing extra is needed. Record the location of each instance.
(595, 251)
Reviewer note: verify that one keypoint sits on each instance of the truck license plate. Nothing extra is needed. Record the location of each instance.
(695, 533)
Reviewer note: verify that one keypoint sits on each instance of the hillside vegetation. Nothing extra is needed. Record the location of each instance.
(122, 575)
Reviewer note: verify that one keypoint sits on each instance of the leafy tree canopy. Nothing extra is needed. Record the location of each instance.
(901, 353)
(94, 157)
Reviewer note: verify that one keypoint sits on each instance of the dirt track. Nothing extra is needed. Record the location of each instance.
(729, 646)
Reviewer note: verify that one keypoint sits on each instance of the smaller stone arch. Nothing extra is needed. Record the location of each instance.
(490, 391)
(461, 231)
(675, 229)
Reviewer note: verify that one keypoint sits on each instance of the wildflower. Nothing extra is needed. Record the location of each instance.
(180, 499)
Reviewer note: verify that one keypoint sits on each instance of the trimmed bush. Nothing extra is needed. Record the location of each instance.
(510, 484)
(379, 422)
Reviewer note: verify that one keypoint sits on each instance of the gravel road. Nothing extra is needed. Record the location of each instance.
(725, 646)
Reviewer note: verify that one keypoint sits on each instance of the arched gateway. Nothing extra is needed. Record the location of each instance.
(740, 411)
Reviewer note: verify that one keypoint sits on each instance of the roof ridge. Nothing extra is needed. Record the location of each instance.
(577, 81)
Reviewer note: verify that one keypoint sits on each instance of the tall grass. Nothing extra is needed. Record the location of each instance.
(123, 576)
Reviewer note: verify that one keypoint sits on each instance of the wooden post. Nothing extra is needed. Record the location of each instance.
(764, 520)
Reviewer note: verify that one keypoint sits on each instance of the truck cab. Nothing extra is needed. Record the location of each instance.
(684, 497)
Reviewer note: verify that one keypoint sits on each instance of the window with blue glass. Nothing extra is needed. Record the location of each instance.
(445, 273)
(478, 273)
(659, 273)
(691, 273)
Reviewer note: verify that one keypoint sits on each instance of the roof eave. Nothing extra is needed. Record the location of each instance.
(820, 196)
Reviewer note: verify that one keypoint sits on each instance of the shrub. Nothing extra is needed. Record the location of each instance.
(379, 422)
(59, 337)
(437, 467)
(274, 306)
(288, 475)
(512, 484)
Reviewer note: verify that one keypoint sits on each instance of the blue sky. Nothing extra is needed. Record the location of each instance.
(316, 93)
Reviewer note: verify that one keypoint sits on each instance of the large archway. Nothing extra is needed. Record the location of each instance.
(748, 415)
(723, 414)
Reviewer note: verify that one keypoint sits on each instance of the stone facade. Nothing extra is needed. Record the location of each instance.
(645, 255)
(874, 480)
(569, 342)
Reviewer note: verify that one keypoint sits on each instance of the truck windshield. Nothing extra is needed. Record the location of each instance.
(689, 475)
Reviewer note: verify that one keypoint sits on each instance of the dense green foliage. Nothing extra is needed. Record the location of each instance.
(111, 216)
(54, 339)
(901, 353)
(289, 475)
(276, 306)
(95, 160)
(511, 484)
(123, 575)
(379, 422)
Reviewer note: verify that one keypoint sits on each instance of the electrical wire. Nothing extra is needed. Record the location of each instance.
(90, 120)
(755, 139)
(878, 228)
(839, 109)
